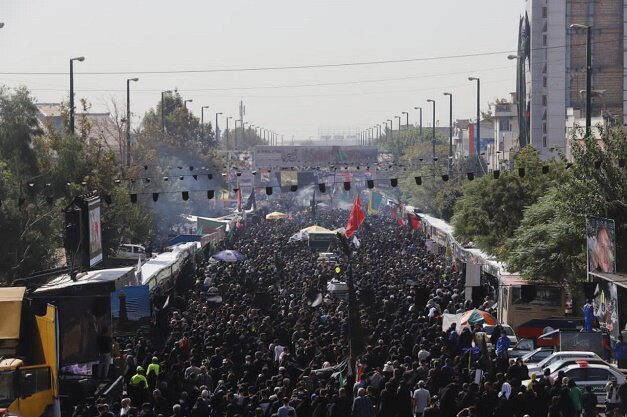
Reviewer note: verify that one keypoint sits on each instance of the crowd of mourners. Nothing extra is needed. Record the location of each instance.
(266, 346)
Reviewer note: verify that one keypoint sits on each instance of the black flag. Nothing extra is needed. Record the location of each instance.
(251, 202)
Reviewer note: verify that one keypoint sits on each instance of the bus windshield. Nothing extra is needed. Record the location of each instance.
(7, 394)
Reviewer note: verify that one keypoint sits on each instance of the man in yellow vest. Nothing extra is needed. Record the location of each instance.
(138, 386)
(152, 373)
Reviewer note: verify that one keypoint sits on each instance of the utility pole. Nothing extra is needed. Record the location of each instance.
(72, 109)
(450, 132)
(128, 119)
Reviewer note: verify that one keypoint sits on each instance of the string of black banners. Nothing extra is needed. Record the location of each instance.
(389, 167)
(369, 183)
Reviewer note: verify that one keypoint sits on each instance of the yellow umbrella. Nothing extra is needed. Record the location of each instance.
(316, 229)
(275, 215)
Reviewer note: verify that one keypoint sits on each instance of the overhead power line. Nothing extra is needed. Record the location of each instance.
(295, 67)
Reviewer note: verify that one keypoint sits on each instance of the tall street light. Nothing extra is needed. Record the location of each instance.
(420, 108)
(79, 59)
(478, 133)
(216, 128)
(163, 93)
(202, 114)
(190, 100)
(227, 131)
(408, 140)
(588, 74)
(128, 119)
(202, 119)
(450, 132)
(433, 132)
(391, 128)
(379, 131)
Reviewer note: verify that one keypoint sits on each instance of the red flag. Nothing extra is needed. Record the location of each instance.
(239, 199)
(414, 222)
(356, 218)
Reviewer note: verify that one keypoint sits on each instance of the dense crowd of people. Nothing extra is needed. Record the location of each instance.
(264, 338)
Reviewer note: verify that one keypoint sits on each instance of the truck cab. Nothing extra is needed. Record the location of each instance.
(28, 357)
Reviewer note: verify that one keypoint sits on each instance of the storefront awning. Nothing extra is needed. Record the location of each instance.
(618, 279)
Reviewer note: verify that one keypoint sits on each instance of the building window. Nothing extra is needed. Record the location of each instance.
(544, 12)
(504, 125)
(544, 40)
(544, 141)
(544, 100)
(544, 129)
(544, 83)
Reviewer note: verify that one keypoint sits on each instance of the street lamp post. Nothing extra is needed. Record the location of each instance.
(433, 132)
(202, 119)
(202, 114)
(163, 109)
(408, 139)
(478, 133)
(420, 120)
(128, 119)
(391, 128)
(588, 74)
(227, 131)
(379, 131)
(190, 100)
(450, 132)
(216, 128)
(79, 59)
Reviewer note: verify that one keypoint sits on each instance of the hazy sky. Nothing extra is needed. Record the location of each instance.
(147, 35)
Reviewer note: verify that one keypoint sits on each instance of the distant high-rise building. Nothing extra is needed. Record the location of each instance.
(554, 72)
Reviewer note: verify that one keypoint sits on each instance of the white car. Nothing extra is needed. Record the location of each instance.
(511, 335)
(536, 355)
(558, 356)
(595, 375)
(130, 251)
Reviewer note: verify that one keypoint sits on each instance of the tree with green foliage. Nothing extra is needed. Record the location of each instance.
(28, 235)
(490, 209)
(550, 243)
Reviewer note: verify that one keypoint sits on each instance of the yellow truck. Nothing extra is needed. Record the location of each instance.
(28, 356)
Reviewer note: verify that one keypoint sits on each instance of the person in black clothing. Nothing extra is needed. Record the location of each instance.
(589, 402)
(387, 402)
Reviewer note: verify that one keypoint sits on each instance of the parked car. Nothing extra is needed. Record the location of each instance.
(536, 355)
(522, 348)
(595, 375)
(560, 365)
(511, 334)
(558, 356)
(130, 251)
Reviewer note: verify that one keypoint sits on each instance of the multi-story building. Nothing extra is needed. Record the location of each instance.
(555, 65)
(506, 133)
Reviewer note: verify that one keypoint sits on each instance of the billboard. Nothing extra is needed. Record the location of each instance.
(292, 156)
(83, 232)
(601, 243)
(95, 231)
(130, 310)
(605, 303)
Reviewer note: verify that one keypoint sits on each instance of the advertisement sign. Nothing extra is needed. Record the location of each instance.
(95, 231)
(130, 310)
(605, 305)
(601, 244)
(82, 321)
(313, 156)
